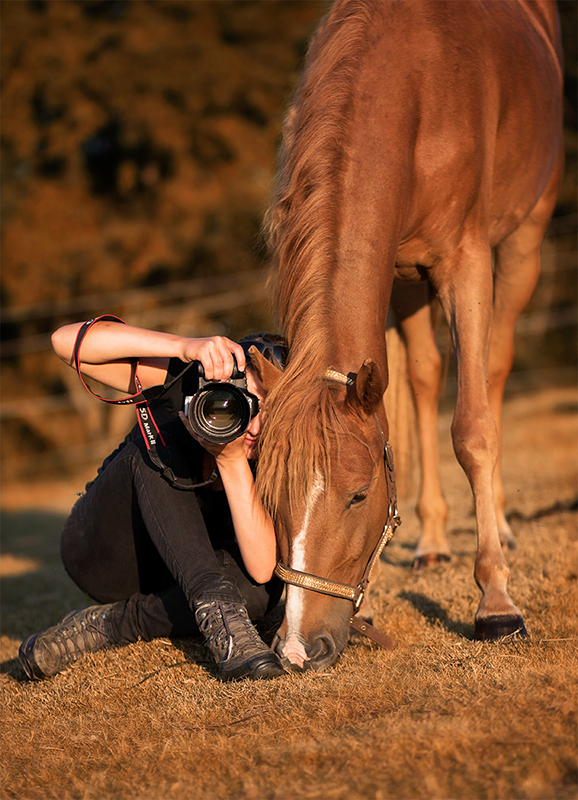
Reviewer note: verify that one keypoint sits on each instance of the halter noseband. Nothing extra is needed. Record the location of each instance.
(305, 580)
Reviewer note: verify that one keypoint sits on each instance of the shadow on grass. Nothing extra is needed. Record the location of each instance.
(36, 591)
(435, 614)
(558, 507)
(194, 652)
(398, 559)
(14, 669)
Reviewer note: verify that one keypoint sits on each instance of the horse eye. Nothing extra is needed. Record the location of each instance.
(359, 498)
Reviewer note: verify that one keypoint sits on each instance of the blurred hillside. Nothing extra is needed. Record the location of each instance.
(138, 142)
(139, 145)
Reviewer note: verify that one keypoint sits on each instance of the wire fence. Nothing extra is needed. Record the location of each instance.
(209, 296)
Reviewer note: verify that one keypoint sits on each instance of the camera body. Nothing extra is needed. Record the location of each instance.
(221, 411)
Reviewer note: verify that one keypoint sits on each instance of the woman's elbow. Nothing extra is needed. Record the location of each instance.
(263, 574)
(63, 342)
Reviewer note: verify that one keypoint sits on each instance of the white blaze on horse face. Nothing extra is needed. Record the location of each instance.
(293, 648)
(298, 548)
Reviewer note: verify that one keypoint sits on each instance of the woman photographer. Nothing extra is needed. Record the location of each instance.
(168, 556)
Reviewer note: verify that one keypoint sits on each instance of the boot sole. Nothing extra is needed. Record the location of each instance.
(265, 670)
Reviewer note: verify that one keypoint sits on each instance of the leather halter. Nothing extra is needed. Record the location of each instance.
(305, 580)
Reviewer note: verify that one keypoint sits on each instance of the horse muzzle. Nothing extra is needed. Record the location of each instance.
(316, 649)
(298, 656)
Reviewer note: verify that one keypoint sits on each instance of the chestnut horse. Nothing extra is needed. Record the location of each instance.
(423, 147)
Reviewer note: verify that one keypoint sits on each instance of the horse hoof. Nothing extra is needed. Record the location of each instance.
(430, 560)
(499, 627)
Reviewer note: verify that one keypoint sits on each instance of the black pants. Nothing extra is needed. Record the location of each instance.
(134, 538)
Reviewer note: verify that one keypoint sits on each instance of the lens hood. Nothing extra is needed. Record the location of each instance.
(220, 412)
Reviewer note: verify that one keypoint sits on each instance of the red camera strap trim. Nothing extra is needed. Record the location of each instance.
(138, 397)
(145, 418)
(149, 429)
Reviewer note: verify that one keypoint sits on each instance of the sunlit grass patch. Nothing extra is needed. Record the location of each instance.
(440, 717)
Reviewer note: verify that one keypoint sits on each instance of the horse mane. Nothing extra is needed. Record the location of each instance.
(301, 232)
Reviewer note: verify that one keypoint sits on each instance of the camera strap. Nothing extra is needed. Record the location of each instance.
(151, 434)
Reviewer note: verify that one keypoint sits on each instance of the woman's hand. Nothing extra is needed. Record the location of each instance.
(215, 354)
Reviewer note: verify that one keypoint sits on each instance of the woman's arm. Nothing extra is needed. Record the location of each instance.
(253, 525)
(110, 348)
(254, 529)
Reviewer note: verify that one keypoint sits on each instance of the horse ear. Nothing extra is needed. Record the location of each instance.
(267, 372)
(368, 389)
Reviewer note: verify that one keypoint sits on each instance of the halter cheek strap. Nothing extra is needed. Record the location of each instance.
(151, 434)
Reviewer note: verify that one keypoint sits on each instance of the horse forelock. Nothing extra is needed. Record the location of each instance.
(303, 419)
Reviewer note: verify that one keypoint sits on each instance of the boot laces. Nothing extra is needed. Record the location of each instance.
(79, 632)
(227, 628)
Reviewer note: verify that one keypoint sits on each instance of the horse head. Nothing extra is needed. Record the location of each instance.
(326, 476)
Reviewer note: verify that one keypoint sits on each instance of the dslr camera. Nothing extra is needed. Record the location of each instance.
(221, 411)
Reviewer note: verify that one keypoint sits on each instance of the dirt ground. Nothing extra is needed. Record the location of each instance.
(440, 717)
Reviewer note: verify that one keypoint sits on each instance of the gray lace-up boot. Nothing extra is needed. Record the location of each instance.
(235, 644)
(47, 653)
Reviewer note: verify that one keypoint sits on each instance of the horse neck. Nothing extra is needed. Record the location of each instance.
(333, 308)
(358, 297)
(340, 201)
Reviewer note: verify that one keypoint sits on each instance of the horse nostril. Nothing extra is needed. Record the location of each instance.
(322, 652)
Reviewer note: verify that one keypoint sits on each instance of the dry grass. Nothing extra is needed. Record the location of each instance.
(440, 717)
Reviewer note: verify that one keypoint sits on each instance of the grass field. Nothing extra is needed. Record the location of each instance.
(440, 717)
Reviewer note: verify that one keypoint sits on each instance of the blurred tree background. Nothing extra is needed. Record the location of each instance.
(138, 144)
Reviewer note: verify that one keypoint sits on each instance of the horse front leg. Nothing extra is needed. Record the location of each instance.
(466, 294)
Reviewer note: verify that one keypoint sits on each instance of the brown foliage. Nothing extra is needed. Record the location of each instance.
(138, 150)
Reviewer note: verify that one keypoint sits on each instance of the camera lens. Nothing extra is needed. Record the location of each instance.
(221, 410)
(219, 413)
